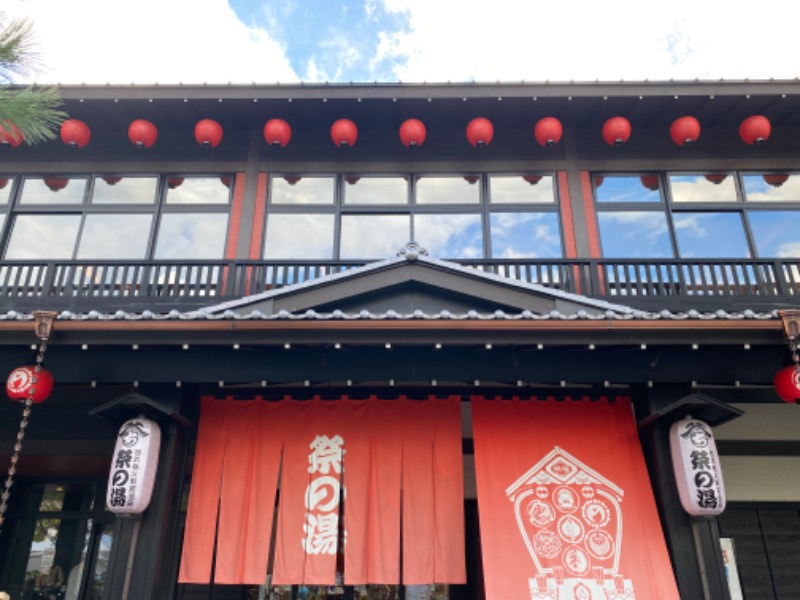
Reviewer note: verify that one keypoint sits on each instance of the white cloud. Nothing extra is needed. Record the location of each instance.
(149, 41)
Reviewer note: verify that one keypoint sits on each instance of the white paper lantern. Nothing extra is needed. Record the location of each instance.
(133, 467)
(698, 474)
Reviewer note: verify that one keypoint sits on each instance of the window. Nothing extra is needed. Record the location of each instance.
(369, 217)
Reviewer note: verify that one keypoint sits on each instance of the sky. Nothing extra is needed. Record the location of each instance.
(314, 41)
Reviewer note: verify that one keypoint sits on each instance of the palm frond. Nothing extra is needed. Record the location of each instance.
(17, 56)
(34, 111)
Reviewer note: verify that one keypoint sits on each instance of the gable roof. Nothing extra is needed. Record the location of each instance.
(410, 282)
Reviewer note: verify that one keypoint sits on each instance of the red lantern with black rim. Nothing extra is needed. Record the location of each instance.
(715, 178)
(3, 182)
(548, 131)
(787, 384)
(776, 179)
(142, 133)
(22, 380)
(112, 180)
(532, 179)
(755, 129)
(292, 180)
(471, 179)
(480, 132)
(56, 184)
(208, 133)
(175, 182)
(10, 136)
(344, 133)
(75, 133)
(650, 182)
(685, 131)
(277, 133)
(412, 133)
(616, 131)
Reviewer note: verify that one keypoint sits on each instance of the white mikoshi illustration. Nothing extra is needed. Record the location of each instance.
(570, 518)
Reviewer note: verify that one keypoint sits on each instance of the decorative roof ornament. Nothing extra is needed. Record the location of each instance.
(412, 251)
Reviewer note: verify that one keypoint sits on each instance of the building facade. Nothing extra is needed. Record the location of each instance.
(490, 272)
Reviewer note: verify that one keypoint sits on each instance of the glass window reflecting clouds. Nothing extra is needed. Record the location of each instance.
(634, 234)
(43, 236)
(299, 236)
(192, 235)
(710, 235)
(772, 187)
(450, 235)
(519, 189)
(196, 190)
(448, 190)
(709, 187)
(53, 190)
(375, 190)
(776, 233)
(114, 236)
(124, 190)
(627, 188)
(302, 190)
(525, 235)
(373, 236)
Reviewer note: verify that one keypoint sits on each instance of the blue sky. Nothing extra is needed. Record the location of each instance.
(265, 41)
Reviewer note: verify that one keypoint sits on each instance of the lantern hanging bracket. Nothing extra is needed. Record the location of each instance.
(791, 323)
(43, 323)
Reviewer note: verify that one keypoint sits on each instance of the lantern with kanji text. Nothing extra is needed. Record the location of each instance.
(25, 382)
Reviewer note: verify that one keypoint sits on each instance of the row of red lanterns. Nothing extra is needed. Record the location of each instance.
(650, 182)
(616, 131)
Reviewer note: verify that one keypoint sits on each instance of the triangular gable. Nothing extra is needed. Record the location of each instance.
(414, 282)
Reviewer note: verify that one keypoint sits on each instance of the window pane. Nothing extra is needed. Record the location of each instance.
(375, 190)
(124, 190)
(450, 235)
(634, 234)
(197, 190)
(299, 236)
(519, 189)
(192, 235)
(710, 235)
(772, 187)
(53, 190)
(711, 187)
(627, 188)
(43, 236)
(114, 236)
(305, 190)
(525, 235)
(6, 185)
(448, 190)
(373, 236)
(776, 233)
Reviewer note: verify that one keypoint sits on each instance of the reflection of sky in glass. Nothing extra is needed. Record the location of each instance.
(776, 234)
(36, 191)
(376, 190)
(696, 188)
(299, 236)
(771, 187)
(43, 236)
(450, 235)
(114, 236)
(627, 189)
(6, 184)
(192, 235)
(508, 190)
(634, 234)
(199, 190)
(525, 235)
(128, 190)
(447, 190)
(710, 235)
(308, 190)
(373, 236)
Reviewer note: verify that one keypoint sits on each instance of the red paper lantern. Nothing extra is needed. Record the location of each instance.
(174, 182)
(480, 132)
(412, 133)
(685, 130)
(3, 182)
(208, 133)
(352, 179)
(716, 178)
(56, 183)
(226, 180)
(598, 180)
(112, 180)
(755, 129)
(292, 180)
(142, 133)
(616, 131)
(532, 179)
(650, 182)
(10, 135)
(344, 133)
(277, 133)
(776, 179)
(20, 382)
(548, 131)
(471, 179)
(75, 134)
(787, 384)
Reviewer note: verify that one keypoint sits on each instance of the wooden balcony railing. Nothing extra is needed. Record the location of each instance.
(131, 285)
